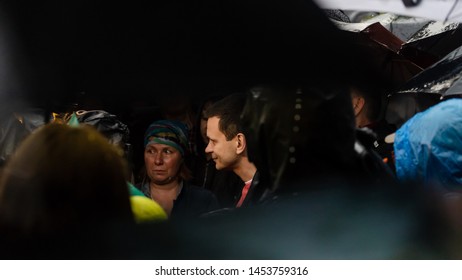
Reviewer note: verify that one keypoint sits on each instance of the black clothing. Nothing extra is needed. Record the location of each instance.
(191, 202)
(372, 165)
(227, 186)
(224, 184)
(382, 129)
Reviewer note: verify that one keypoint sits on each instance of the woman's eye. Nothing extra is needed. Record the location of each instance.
(168, 151)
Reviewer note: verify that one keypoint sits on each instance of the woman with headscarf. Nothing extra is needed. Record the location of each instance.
(166, 179)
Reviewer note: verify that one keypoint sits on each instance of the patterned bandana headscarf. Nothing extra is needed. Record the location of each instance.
(168, 132)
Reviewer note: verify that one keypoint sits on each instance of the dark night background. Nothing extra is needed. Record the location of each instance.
(138, 50)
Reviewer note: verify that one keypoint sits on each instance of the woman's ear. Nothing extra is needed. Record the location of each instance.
(241, 143)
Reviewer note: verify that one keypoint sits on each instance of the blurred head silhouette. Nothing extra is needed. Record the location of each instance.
(63, 178)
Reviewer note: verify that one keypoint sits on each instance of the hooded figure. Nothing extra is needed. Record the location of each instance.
(428, 147)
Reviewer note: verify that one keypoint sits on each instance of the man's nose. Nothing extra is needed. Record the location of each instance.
(208, 149)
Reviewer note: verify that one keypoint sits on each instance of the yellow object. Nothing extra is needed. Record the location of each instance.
(146, 210)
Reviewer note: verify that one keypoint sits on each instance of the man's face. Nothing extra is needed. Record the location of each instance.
(223, 152)
(354, 101)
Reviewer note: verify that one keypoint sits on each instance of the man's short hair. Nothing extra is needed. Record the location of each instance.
(374, 98)
(228, 110)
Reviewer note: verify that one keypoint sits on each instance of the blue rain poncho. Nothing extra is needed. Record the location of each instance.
(428, 147)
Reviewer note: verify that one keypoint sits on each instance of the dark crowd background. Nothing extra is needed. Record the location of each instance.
(126, 58)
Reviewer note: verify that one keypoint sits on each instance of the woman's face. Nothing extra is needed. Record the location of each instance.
(163, 163)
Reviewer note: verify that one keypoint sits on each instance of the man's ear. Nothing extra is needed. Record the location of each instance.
(241, 143)
(358, 105)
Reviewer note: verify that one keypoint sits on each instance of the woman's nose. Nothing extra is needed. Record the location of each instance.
(158, 158)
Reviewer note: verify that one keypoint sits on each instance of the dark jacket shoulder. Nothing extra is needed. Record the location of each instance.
(193, 201)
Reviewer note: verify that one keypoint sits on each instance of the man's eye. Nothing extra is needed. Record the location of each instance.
(168, 151)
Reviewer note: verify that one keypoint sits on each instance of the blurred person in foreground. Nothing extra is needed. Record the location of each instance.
(167, 176)
(61, 192)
